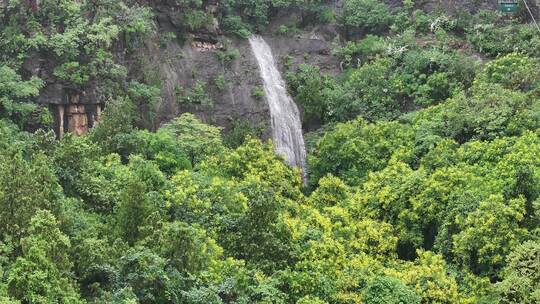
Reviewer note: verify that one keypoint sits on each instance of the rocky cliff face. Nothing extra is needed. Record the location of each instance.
(222, 67)
(211, 57)
(183, 66)
(179, 63)
(74, 109)
(228, 83)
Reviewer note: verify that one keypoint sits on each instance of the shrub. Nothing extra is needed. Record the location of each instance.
(146, 98)
(257, 93)
(388, 290)
(196, 19)
(227, 56)
(165, 38)
(220, 82)
(241, 130)
(196, 96)
(493, 39)
(371, 16)
(287, 30)
(72, 72)
(359, 51)
(327, 16)
(311, 90)
(372, 93)
(235, 25)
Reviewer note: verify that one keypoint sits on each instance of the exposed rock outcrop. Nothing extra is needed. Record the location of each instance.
(213, 58)
(224, 65)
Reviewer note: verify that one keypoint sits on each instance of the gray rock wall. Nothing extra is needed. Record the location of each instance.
(183, 65)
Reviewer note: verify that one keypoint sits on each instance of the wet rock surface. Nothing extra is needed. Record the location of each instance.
(181, 66)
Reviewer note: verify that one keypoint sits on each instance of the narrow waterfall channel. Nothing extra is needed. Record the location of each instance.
(286, 125)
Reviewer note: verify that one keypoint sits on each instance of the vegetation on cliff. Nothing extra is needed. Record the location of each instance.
(424, 179)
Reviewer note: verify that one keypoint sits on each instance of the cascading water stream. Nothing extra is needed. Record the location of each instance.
(286, 125)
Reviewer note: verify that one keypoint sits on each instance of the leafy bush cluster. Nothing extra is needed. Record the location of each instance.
(196, 95)
(494, 38)
(440, 205)
(76, 38)
(379, 84)
(406, 59)
(365, 16)
(242, 17)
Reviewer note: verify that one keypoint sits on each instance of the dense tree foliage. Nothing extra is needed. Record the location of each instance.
(242, 17)
(423, 183)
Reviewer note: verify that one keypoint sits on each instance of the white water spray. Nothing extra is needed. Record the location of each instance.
(286, 125)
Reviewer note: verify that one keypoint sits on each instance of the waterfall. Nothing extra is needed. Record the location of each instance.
(285, 117)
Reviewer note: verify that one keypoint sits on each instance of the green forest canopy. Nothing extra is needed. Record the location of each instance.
(424, 182)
